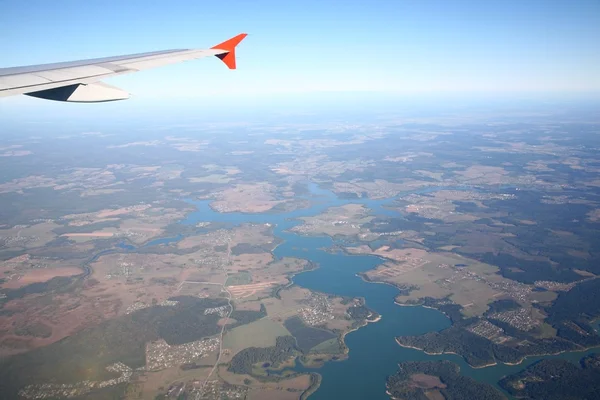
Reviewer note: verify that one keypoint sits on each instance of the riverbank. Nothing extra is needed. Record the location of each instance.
(315, 383)
(495, 363)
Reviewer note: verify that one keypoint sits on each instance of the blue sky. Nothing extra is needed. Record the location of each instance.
(399, 46)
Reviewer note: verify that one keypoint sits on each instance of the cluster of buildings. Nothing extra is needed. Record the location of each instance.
(521, 318)
(123, 269)
(215, 390)
(69, 390)
(208, 257)
(18, 239)
(316, 225)
(514, 289)
(318, 310)
(138, 305)
(555, 286)
(160, 355)
(485, 328)
(222, 311)
(131, 234)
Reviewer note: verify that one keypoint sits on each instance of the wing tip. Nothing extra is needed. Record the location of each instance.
(229, 46)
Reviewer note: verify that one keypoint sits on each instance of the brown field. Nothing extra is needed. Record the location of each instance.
(265, 276)
(289, 303)
(254, 234)
(82, 222)
(208, 275)
(138, 224)
(594, 215)
(23, 270)
(64, 314)
(121, 211)
(243, 291)
(28, 237)
(427, 381)
(249, 198)
(434, 275)
(344, 220)
(91, 234)
(250, 261)
(434, 395)
(40, 275)
(126, 279)
(392, 254)
(199, 289)
(379, 189)
(268, 390)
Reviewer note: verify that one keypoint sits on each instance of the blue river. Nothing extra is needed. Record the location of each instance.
(373, 352)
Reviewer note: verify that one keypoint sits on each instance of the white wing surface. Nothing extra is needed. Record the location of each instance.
(79, 81)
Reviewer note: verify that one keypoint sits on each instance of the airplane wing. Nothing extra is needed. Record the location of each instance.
(79, 81)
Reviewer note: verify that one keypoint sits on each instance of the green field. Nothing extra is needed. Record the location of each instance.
(331, 346)
(241, 278)
(261, 333)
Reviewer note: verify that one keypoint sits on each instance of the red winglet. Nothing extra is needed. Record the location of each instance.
(229, 45)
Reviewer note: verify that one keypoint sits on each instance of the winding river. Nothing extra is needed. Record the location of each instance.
(374, 353)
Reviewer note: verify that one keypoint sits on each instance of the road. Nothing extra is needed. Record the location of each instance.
(223, 288)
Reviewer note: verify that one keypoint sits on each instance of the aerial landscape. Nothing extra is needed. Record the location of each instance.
(247, 265)
(316, 200)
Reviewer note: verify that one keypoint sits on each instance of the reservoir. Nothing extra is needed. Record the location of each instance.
(373, 352)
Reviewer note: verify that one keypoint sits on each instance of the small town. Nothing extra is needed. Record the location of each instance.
(521, 318)
(216, 390)
(138, 305)
(123, 269)
(318, 311)
(70, 390)
(514, 289)
(160, 355)
(487, 330)
(555, 286)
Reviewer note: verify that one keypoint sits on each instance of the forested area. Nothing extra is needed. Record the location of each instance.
(582, 301)
(284, 348)
(359, 312)
(479, 351)
(556, 380)
(453, 385)
(243, 317)
(189, 323)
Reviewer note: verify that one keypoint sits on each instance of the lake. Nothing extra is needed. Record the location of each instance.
(374, 354)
